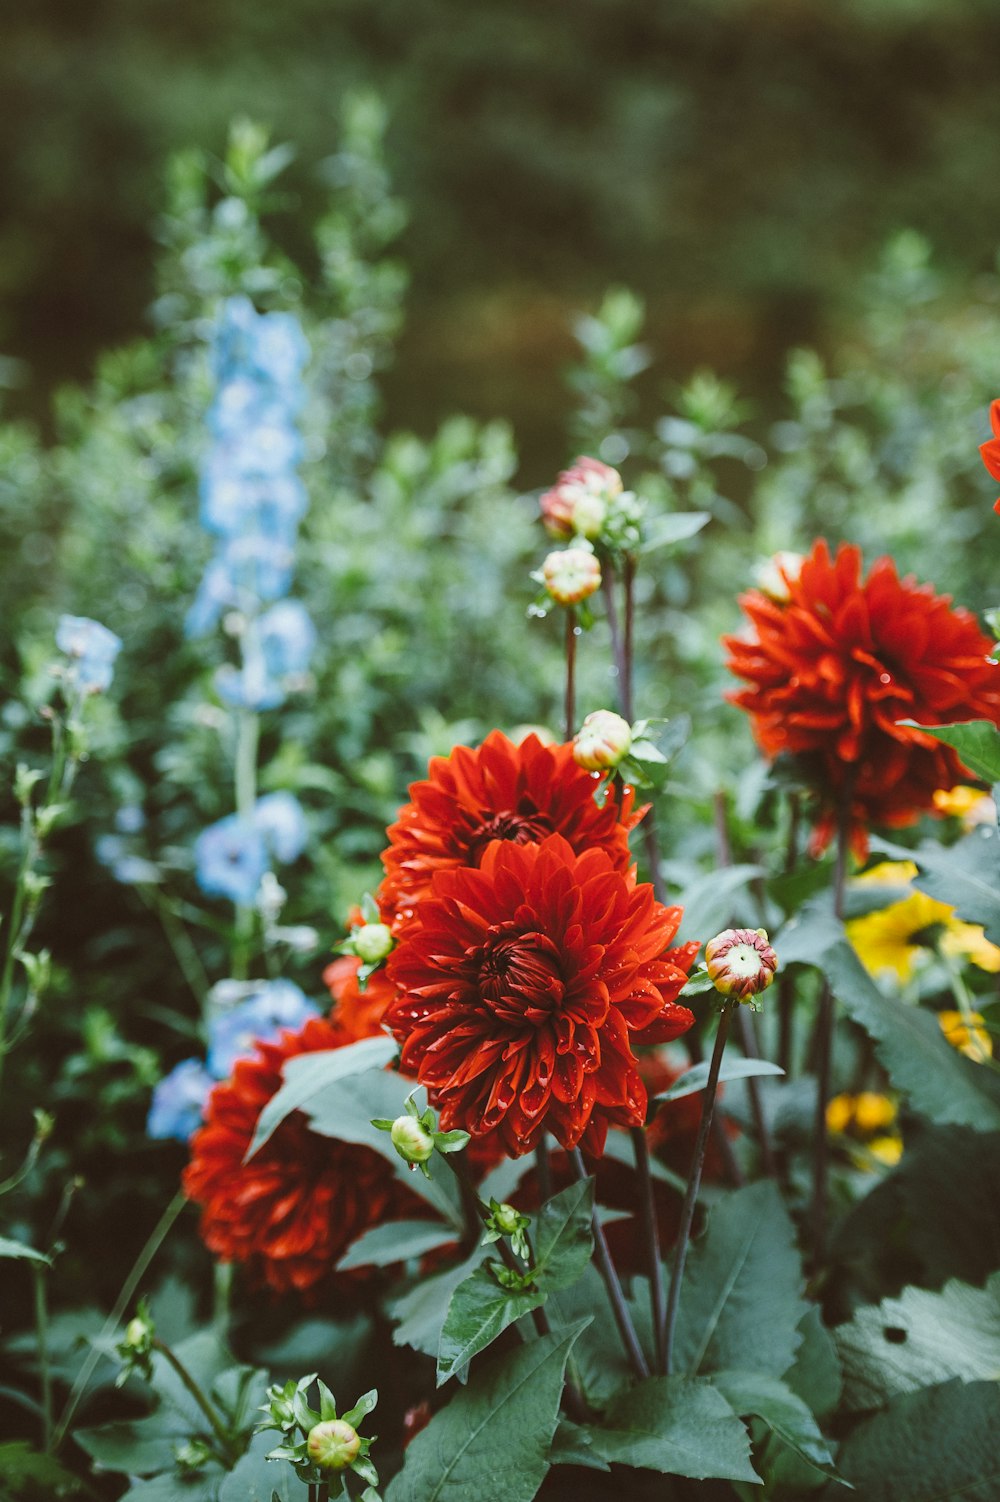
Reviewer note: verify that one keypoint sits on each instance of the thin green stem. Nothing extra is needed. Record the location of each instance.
(114, 1319)
(16, 929)
(229, 1449)
(694, 1184)
(184, 951)
(650, 1233)
(824, 1045)
(40, 1272)
(570, 705)
(612, 1282)
(247, 744)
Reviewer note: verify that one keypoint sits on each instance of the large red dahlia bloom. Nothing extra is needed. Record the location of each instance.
(832, 670)
(292, 1211)
(523, 987)
(501, 791)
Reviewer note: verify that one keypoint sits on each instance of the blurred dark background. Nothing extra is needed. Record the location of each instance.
(737, 162)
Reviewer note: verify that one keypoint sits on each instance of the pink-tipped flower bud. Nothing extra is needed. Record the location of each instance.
(333, 1445)
(413, 1143)
(602, 741)
(372, 942)
(740, 962)
(577, 504)
(571, 575)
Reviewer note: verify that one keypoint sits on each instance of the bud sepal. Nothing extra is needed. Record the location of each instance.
(507, 1220)
(416, 1138)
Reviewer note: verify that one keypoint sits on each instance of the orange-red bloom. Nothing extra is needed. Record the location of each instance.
(292, 1210)
(834, 668)
(990, 451)
(523, 987)
(358, 1012)
(501, 791)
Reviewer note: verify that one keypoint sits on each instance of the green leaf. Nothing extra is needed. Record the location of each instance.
(782, 1410)
(696, 1078)
(929, 1446)
(421, 1311)
(492, 1440)
(254, 1478)
(574, 1445)
(139, 1447)
(919, 1339)
(478, 1312)
(938, 1081)
(397, 1241)
(365, 1405)
(976, 741)
(742, 1288)
(18, 1249)
(966, 875)
(678, 1426)
(708, 901)
(674, 527)
(166, 1488)
(307, 1075)
(564, 1237)
(815, 1373)
(26, 1472)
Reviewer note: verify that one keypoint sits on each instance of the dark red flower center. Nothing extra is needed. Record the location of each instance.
(519, 828)
(519, 975)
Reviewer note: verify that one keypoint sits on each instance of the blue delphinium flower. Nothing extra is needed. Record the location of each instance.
(179, 1102)
(281, 822)
(230, 859)
(276, 651)
(93, 649)
(278, 1004)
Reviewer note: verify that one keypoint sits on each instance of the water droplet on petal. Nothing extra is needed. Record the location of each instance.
(885, 677)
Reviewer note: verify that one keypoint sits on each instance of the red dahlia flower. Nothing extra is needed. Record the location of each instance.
(292, 1211)
(359, 1013)
(520, 794)
(991, 451)
(523, 987)
(836, 666)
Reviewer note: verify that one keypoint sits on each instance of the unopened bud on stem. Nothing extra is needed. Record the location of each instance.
(333, 1445)
(740, 962)
(602, 741)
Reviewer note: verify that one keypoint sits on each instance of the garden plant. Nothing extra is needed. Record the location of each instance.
(499, 980)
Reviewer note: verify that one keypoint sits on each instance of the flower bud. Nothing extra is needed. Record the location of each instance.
(507, 1219)
(740, 962)
(372, 942)
(602, 740)
(578, 502)
(333, 1445)
(413, 1143)
(571, 575)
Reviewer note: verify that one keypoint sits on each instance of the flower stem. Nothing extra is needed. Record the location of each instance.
(229, 1454)
(39, 1272)
(786, 985)
(145, 1257)
(650, 1232)
(570, 673)
(694, 1184)
(617, 645)
(612, 1283)
(824, 1047)
(247, 741)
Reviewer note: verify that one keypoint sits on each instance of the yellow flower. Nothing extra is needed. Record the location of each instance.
(863, 1113)
(971, 805)
(891, 941)
(969, 1037)
(887, 1150)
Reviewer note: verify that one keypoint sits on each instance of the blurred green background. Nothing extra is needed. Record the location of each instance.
(737, 162)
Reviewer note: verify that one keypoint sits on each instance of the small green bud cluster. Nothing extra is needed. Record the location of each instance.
(317, 1442)
(507, 1220)
(371, 940)
(415, 1136)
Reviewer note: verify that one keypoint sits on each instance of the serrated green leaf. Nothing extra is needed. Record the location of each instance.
(420, 1312)
(201, 1488)
(307, 1075)
(19, 1250)
(742, 1288)
(976, 741)
(254, 1478)
(766, 1397)
(966, 875)
(676, 1425)
(938, 1081)
(815, 1373)
(491, 1442)
(397, 1241)
(696, 1078)
(574, 1445)
(138, 1447)
(920, 1339)
(564, 1237)
(708, 901)
(929, 1446)
(479, 1311)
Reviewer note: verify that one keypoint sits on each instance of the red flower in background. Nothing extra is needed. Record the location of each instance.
(990, 451)
(359, 1013)
(832, 669)
(519, 794)
(292, 1210)
(524, 985)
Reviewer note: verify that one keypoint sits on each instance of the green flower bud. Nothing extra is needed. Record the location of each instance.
(413, 1143)
(333, 1445)
(372, 942)
(507, 1219)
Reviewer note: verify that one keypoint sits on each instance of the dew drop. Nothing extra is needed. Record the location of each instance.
(885, 677)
